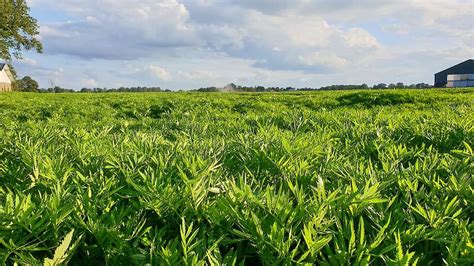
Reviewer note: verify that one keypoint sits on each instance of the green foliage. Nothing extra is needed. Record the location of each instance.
(330, 178)
(27, 84)
(61, 252)
(17, 29)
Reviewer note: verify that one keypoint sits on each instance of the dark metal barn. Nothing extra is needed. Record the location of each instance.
(456, 73)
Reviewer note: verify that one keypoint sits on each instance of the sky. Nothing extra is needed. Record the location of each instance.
(187, 44)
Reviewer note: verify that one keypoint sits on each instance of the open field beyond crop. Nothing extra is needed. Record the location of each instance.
(349, 177)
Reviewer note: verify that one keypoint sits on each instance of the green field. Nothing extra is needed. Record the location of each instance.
(337, 178)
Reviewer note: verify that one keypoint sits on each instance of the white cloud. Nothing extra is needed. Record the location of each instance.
(198, 75)
(160, 72)
(292, 29)
(360, 38)
(118, 29)
(90, 83)
(28, 62)
(188, 43)
(318, 59)
(137, 29)
(52, 31)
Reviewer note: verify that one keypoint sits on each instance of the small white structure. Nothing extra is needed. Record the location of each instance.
(6, 78)
(463, 80)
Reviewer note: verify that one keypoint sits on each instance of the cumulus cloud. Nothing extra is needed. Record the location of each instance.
(357, 37)
(135, 29)
(89, 83)
(160, 72)
(118, 29)
(302, 42)
(323, 59)
(28, 62)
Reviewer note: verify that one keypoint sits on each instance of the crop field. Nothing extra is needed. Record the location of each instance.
(326, 178)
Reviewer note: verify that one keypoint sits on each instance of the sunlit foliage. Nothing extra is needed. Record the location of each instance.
(331, 178)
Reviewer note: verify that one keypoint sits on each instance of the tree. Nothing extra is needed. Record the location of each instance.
(17, 29)
(27, 84)
(422, 86)
(230, 87)
(380, 86)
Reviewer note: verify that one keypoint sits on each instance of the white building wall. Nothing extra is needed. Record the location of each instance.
(5, 87)
(4, 77)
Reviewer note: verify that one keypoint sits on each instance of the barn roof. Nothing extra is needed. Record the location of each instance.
(468, 63)
(2, 66)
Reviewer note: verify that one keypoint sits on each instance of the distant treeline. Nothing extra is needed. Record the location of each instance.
(125, 89)
(58, 89)
(236, 88)
(380, 86)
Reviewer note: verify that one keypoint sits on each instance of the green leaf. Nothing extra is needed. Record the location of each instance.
(60, 252)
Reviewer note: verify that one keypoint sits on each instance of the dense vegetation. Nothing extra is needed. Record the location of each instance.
(338, 178)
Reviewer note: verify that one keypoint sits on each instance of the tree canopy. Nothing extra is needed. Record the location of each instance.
(17, 29)
(27, 84)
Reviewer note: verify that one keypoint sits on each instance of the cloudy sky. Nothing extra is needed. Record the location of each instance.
(183, 44)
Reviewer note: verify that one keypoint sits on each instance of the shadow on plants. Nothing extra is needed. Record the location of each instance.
(243, 107)
(371, 99)
(442, 140)
(158, 111)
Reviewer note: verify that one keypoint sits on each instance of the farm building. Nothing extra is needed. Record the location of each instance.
(460, 75)
(6, 78)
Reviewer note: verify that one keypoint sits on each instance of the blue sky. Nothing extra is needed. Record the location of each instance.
(185, 44)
